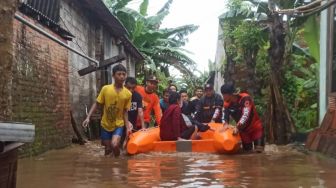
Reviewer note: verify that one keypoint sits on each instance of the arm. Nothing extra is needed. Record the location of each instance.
(141, 115)
(125, 115)
(198, 111)
(218, 107)
(100, 100)
(140, 111)
(247, 108)
(92, 110)
(226, 116)
(127, 124)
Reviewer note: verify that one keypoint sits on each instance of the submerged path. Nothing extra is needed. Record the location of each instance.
(85, 166)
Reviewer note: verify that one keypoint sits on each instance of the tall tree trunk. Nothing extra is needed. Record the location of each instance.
(229, 69)
(279, 124)
(250, 61)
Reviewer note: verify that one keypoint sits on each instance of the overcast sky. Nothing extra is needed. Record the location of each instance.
(202, 43)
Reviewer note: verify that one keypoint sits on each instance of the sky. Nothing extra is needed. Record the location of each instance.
(202, 43)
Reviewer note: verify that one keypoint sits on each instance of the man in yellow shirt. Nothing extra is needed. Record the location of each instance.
(116, 101)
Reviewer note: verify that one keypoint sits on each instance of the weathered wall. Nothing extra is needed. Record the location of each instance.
(40, 91)
(83, 90)
(7, 10)
(94, 40)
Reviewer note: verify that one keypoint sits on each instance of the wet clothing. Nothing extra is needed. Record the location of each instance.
(163, 105)
(150, 101)
(209, 108)
(107, 135)
(173, 124)
(136, 103)
(245, 114)
(115, 104)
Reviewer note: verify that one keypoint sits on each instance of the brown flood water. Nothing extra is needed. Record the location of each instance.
(85, 166)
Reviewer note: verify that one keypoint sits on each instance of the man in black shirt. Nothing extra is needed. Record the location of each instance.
(209, 107)
(136, 109)
(185, 102)
(195, 99)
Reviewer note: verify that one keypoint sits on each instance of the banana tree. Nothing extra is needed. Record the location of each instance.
(161, 47)
(281, 20)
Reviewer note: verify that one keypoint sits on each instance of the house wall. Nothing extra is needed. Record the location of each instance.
(82, 89)
(323, 65)
(39, 82)
(40, 87)
(7, 10)
(219, 59)
(94, 40)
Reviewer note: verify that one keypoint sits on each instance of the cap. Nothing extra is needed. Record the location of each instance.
(227, 88)
(208, 86)
(152, 78)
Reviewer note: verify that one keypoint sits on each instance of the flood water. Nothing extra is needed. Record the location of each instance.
(85, 166)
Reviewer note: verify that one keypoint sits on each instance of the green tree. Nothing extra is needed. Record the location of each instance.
(161, 47)
(286, 71)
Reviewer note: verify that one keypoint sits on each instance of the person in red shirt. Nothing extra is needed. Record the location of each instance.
(241, 108)
(150, 100)
(173, 127)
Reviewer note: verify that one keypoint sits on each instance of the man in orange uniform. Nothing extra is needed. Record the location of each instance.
(241, 108)
(150, 100)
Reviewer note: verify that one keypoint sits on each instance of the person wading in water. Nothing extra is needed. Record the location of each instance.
(240, 106)
(116, 101)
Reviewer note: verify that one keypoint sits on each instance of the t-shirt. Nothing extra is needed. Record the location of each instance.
(150, 101)
(136, 103)
(115, 103)
(206, 108)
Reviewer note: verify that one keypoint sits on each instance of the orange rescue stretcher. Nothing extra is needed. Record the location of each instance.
(214, 140)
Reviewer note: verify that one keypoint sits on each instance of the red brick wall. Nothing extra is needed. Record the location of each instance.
(40, 88)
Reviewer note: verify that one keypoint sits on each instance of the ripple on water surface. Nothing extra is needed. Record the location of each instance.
(85, 166)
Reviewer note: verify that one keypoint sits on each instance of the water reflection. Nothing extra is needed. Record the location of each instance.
(86, 166)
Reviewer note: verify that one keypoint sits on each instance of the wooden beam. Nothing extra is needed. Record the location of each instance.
(111, 61)
(16, 132)
(103, 64)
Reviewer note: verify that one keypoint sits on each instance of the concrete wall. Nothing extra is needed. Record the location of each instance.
(219, 59)
(82, 90)
(323, 65)
(94, 40)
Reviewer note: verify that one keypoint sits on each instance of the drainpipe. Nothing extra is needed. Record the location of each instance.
(41, 31)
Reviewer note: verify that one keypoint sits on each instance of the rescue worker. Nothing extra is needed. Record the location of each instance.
(209, 107)
(240, 106)
(150, 100)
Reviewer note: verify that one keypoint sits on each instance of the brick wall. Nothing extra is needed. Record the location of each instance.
(7, 10)
(40, 91)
